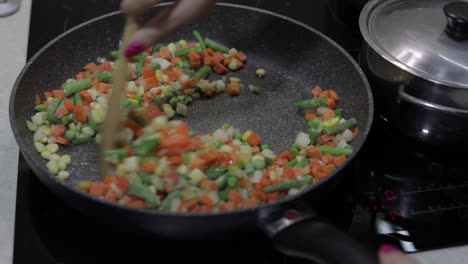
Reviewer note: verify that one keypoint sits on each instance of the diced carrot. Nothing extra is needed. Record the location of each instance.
(309, 116)
(316, 91)
(328, 159)
(90, 67)
(110, 196)
(187, 205)
(288, 173)
(103, 87)
(235, 197)
(250, 203)
(313, 165)
(62, 140)
(38, 99)
(97, 189)
(147, 97)
(48, 94)
(208, 61)
(58, 130)
(210, 185)
(173, 75)
(195, 60)
(206, 200)
(355, 131)
(80, 113)
(240, 56)
(131, 95)
(79, 76)
(175, 160)
(197, 163)
(286, 155)
(339, 160)
(219, 68)
(174, 61)
(190, 83)
(331, 144)
(240, 65)
(323, 171)
(148, 167)
(218, 57)
(62, 111)
(122, 183)
(136, 203)
(254, 139)
(328, 114)
(226, 206)
(324, 139)
(133, 75)
(69, 105)
(226, 61)
(151, 83)
(148, 72)
(165, 53)
(151, 111)
(105, 67)
(233, 89)
(86, 96)
(274, 196)
(325, 93)
(95, 83)
(314, 153)
(334, 96)
(210, 52)
(110, 179)
(59, 94)
(331, 103)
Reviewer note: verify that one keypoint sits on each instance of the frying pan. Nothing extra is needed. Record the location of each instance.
(296, 57)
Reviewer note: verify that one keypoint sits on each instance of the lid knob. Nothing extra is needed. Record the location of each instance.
(457, 20)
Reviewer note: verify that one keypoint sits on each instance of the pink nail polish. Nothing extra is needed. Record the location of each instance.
(388, 248)
(133, 49)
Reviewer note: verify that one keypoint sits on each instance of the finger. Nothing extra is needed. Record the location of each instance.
(136, 7)
(389, 254)
(175, 17)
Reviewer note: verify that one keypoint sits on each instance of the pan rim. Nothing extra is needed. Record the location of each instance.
(37, 169)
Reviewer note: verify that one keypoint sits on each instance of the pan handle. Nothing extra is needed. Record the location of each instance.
(303, 235)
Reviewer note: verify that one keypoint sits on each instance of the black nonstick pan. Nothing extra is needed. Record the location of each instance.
(296, 58)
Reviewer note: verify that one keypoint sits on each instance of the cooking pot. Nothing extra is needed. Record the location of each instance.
(416, 58)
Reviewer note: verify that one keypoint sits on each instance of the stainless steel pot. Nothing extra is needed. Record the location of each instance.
(416, 59)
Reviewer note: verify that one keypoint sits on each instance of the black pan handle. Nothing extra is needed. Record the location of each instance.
(457, 20)
(303, 235)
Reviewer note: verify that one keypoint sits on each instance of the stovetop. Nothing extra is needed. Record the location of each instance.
(401, 192)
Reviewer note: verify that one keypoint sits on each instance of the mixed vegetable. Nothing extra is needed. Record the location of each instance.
(161, 164)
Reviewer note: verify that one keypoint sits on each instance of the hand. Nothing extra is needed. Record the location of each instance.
(170, 20)
(389, 254)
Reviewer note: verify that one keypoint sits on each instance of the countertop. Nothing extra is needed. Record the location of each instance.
(13, 49)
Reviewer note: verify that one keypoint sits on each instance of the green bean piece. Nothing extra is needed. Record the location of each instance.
(81, 140)
(287, 185)
(335, 151)
(146, 145)
(77, 99)
(138, 58)
(70, 134)
(143, 192)
(235, 171)
(340, 127)
(155, 66)
(145, 177)
(316, 128)
(139, 68)
(292, 163)
(114, 54)
(216, 46)
(40, 108)
(294, 152)
(105, 77)
(53, 106)
(224, 195)
(166, 203)
(215, 172)
(221, 182)
(115, 155)
(339, 113)
(294, 146)
(312, 103)
(232, 181)
(186, 62)
(264, 147)
(65, 119)
(268, 161)
(180, 64)
(186, 51)
(188, 71)
(301, 164)
(199, 39)
(202, 73)
(237, 135)
(157, 47)
(77, 86)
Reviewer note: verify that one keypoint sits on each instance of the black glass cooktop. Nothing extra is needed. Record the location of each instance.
(400, 192)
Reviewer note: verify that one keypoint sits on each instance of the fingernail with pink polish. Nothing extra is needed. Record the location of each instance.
(122, 12)
(133, 49)
(388, 249)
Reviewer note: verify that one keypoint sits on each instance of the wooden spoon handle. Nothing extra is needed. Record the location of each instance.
(112, 123)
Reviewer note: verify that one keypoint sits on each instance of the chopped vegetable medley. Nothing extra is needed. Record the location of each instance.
(161, 164)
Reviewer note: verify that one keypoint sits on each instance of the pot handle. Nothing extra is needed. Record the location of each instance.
(430, 105)
(305, 236)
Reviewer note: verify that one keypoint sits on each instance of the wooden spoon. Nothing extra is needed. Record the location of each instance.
(114, 116)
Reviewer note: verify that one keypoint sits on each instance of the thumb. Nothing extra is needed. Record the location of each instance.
(389, 254)
(173, 18)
